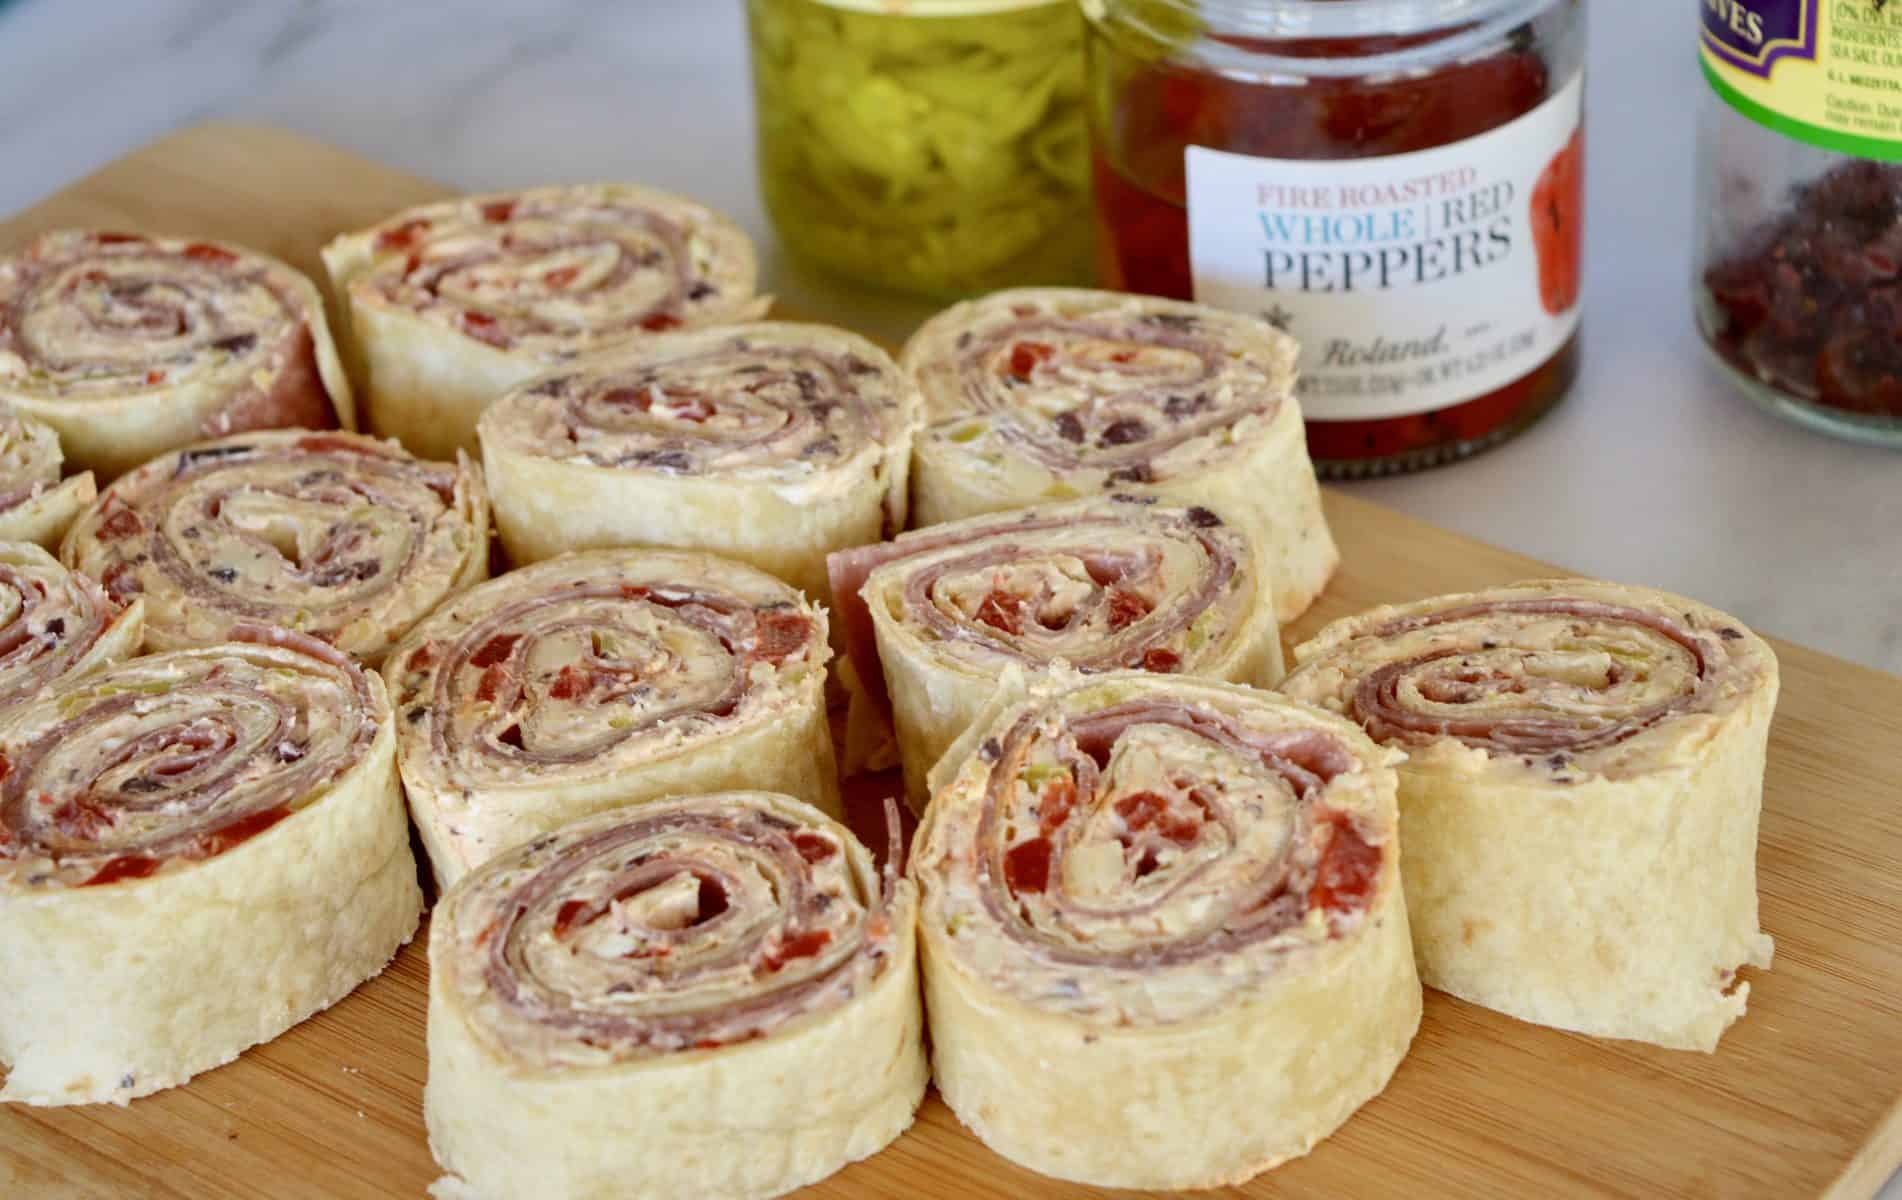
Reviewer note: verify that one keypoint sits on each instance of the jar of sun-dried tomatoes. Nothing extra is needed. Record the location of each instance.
(1398, 183)
(1799, 264)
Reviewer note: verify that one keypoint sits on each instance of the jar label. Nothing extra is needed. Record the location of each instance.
(1829, 74)
(1414, 282)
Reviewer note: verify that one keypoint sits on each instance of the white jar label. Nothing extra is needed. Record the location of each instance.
(1414, 282)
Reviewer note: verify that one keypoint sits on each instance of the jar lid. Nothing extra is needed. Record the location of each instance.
(1469, 26)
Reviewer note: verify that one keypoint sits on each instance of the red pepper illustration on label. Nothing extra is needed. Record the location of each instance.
(1558, 210)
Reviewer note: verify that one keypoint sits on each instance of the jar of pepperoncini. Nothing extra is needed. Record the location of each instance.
(929, 146)
(1398, 183)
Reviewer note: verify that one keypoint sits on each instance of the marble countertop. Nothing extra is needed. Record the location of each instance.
(1653, 472)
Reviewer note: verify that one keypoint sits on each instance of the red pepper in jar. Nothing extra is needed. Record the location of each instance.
(1497, 211)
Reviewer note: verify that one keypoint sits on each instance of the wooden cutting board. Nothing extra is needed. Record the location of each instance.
(1802, 1098)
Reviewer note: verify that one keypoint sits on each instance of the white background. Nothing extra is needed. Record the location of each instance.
(1652, 473)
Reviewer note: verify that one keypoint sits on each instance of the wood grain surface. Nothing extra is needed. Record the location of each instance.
(1800, 1100)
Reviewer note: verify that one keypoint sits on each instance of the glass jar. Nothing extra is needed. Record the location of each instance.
(1398, 183)
(1799, 266)
(928, 146)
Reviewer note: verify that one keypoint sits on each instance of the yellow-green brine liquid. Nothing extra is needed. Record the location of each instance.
(930, 146)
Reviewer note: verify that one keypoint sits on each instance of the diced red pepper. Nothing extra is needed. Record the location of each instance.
(781, 632)
(1053, 808)
(1002, 610)
(812, 847)
(482, 327)
(241, 830)
(118, 239)
(495, 650)
(497, 211)
(490, 685)
(126, 866)
(799, 945)
(1344, 880)
(1126, 608)
(566, 914)
(561, 277)
(123, 522)
(658, 322)
(1027, 866)
(1161, 660)
(571, 683)
(402, 237)
(1142, 811)
(82, 818)
(1025, 357)
(207, 253)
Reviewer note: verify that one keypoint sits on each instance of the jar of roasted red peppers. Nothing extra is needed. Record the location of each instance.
(1799, 274)
(1397, 183)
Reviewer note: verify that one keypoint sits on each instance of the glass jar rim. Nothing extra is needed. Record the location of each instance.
(1470, 25)
(936, 8)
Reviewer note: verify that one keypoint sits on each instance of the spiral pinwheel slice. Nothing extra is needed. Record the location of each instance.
(938, 615)
(1580, 798)
(130, 346)
(1046, 394)
(452, 304)
(770, 443)
(704, 996)
(1163, 938)
(336, 535)
(56, 623)
(36, 505)
(602, 678)
(197, 850)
